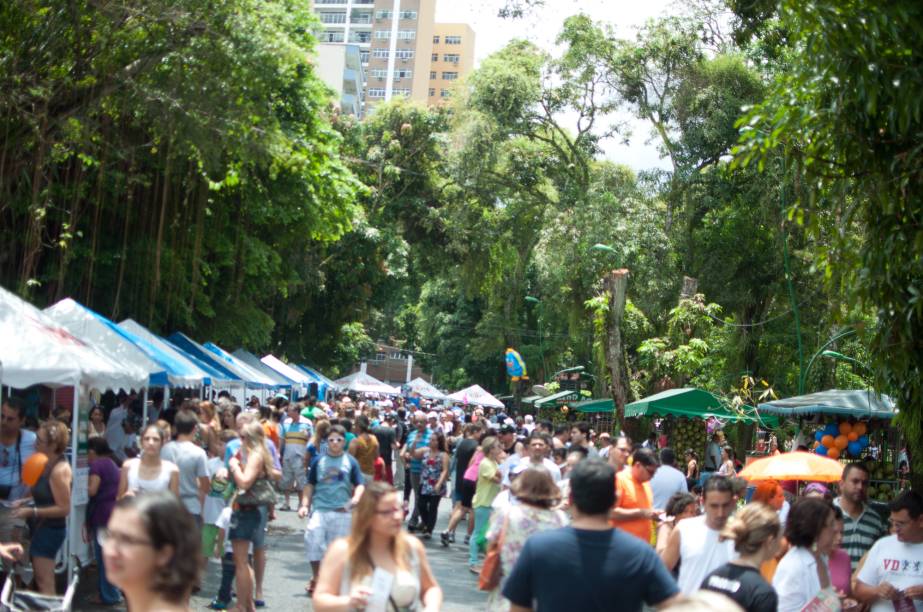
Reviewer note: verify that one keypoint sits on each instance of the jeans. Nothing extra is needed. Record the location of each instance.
(227, 578)
(415, 485)
(108, 594)
(481, 520)
(428, 511)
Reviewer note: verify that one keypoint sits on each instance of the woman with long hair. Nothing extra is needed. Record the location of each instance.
(727, 463)
(755, 532)
(52, 497)
(803, 575)
(209, 425)
(97, 427)
(364, 447)
(252, 464)
(151, 552)
(433, 476)
(318, 446)
(488, 486)
(692, 469)
(149, 472)
(537, 496)
(377, 541)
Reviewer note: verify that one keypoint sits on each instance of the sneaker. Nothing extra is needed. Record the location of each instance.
(217, 604)
(412, 527)
(452, 537)
(467, 539)
(444, 538)
(427, 535)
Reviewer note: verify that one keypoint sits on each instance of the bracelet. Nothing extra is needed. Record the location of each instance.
(34, 512)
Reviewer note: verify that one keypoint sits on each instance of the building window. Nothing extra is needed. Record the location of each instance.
(382, 34)
(432, 92)
(406, 34)
(360, 18)
(452, 58)
(453, 40)
(360, 37)
(435, 57)
(378, 73)
(333, 17)
(383, 15)
(376, 92)
(403, 74)
(380, 53)
(449, 76)
(405, 92)
(445, 93)
(404, 54)
(364, 56)
(332, 37)
(409, 15)
(432, 75)
(435, 40)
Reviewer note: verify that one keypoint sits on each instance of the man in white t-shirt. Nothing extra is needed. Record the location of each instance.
(892, 576)
(695, 541)
(668, 480)
(537, 457)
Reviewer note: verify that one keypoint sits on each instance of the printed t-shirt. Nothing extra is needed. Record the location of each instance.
(487, 488)
(333, 479)
(580, 569)
(744, 585)
(632, 495)
(296, 436)
(896, 562)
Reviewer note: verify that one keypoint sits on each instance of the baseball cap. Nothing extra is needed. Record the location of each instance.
(507, 429)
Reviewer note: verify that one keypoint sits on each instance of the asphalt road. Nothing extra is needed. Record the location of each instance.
(288, 572)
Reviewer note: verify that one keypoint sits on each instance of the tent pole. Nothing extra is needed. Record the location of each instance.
(144, 410)
(166, 399)
(72, 515)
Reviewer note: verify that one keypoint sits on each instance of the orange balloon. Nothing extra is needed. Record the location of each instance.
(828, 441)
(33, 467)
(860, 428)
(852, 436)
(833, 453)
(845, 428)
(841, 442)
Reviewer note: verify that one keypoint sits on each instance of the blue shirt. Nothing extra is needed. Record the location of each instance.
(587, 570)
(415, 441)
(334, 479)
(11, 459)
(231, 448)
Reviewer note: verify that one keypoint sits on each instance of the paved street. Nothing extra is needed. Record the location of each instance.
(288, 571)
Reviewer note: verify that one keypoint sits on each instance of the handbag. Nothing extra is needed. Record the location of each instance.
(492, 570)
(260, 493)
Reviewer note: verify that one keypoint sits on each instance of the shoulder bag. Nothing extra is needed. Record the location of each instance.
(492, 570)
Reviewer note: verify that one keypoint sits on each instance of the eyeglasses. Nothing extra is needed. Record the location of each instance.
(111, 539)
(334, 440)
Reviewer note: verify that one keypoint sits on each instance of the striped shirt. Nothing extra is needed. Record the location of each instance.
(860, 533)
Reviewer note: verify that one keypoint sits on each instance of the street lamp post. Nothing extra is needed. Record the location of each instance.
(803, 377)
(541, 312)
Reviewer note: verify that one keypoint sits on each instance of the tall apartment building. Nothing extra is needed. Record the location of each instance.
(396, 45)
(452, 58)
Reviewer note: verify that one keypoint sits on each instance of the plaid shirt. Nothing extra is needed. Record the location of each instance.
(860, 533)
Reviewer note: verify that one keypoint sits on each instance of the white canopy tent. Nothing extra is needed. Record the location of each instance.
(424, 389)
(361, 382)
(35, 350)
(273, 362)
(475, 394)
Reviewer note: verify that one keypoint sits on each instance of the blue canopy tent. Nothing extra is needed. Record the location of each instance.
(323, 383)
(231, 369)
(258, 377)
(254, 362)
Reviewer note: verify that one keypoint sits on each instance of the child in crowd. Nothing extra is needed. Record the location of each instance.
(216, 500)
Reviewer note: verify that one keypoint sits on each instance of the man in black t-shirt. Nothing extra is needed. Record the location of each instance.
(463, 492)
(387, 442)
(588, 566)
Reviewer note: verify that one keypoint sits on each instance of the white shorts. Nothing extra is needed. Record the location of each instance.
(293, 473)
(323, 528)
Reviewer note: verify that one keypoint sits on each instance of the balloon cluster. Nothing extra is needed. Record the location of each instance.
(835, 439)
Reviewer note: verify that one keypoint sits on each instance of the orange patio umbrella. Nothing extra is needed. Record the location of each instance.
(794, 466)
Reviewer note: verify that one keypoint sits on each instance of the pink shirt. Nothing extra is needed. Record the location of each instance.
(472, 472)
(840, 570)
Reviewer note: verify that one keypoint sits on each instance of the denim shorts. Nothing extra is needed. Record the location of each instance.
(47, 541)
(249, 523)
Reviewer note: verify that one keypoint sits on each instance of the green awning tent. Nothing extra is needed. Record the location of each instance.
(692, 403)
(594, 405)
(556, 400)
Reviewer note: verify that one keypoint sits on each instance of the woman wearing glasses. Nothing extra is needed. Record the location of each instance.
(377, 552)
(52, 497)
(152, 552)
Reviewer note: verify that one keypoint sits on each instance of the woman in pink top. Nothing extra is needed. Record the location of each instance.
(838, 563)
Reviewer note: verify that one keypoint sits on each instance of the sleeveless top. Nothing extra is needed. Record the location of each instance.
(405, 589)
(366, 452)
(161, 482)
(700, 553)
(44, 498)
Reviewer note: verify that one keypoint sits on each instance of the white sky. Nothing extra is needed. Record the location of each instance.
(542, 25)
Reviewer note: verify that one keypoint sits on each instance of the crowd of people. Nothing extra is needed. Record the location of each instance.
(556, 516)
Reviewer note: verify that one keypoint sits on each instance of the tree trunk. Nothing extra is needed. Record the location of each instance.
(616, 283)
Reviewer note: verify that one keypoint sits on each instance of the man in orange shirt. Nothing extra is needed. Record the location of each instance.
(633, 511)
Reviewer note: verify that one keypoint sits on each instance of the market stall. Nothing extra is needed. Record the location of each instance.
(360, 382)
(475, 394)
(424, 389)
(282, 382)
(325, 385)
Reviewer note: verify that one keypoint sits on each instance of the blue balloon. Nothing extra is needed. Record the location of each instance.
(821, 450)
(832, 429)
(819, 435)
(863, 440)
(854, 448)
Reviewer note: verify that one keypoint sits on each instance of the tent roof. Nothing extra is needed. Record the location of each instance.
(687, 402)
(122, 345)
(475, 394)
(425, 389)
(34, 349)
(277, 365)
(256, 377)
(363, 383)
(187, 344)
(568, 396)
(604, 404)
(254, 362)
(318, 377)
(210, 375)
(854, 403)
